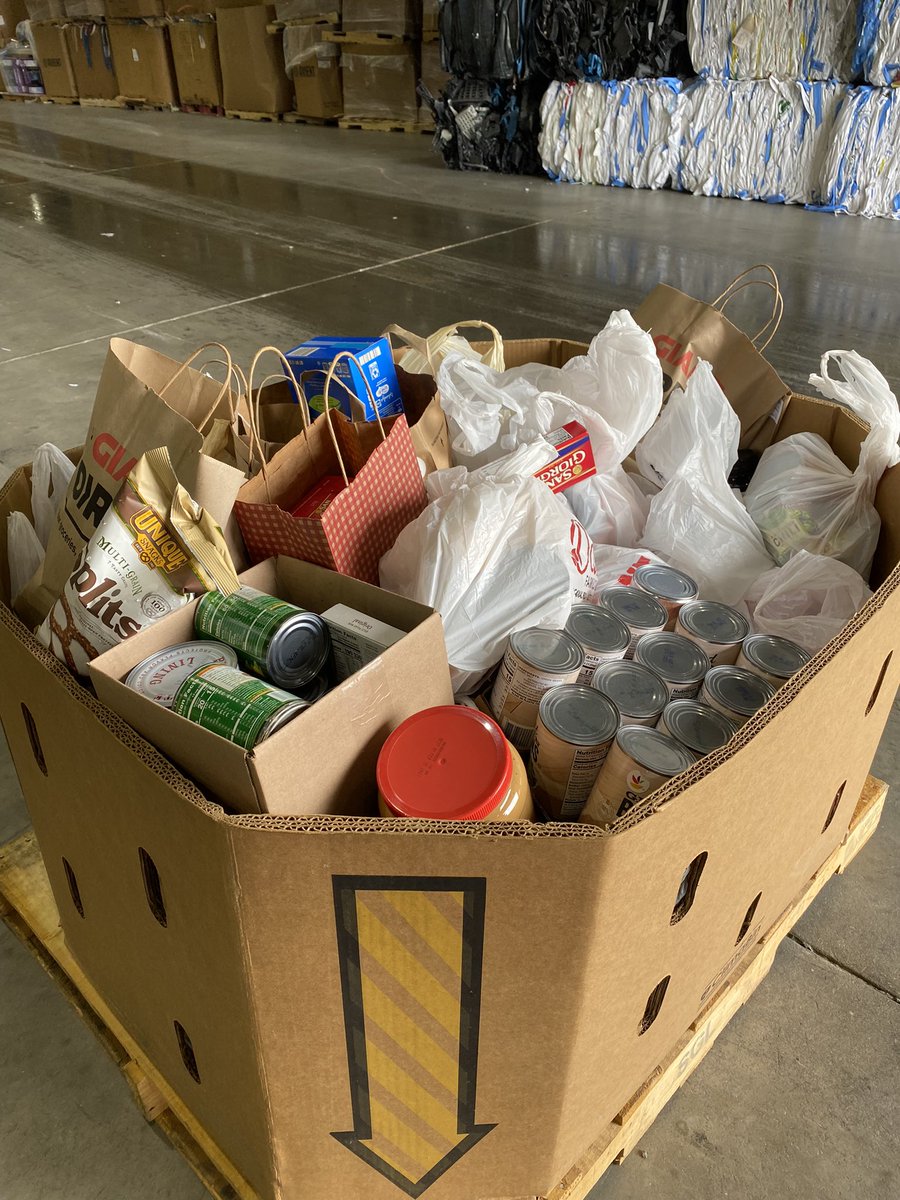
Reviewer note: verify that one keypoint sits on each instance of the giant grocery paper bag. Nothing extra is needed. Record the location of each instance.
(685, 330)
(144, 400)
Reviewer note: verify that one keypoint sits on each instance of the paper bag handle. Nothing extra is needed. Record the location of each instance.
(329, 379)
(230, 370)
(739, 283)
(426, 345)
(304, 410)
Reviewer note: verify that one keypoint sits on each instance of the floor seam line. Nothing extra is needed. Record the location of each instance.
(296, 287)
(843, 967)
(87, 171)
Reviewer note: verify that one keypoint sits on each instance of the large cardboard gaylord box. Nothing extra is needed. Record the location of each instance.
(11, 13)
(314, 66)
(365, 708)
(253, 76)
(195, 53)
(144, 62)
(380, 81)
(53, 57)
(90, 52)
(372, 1009)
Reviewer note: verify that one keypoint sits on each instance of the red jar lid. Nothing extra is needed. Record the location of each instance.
(449, 764)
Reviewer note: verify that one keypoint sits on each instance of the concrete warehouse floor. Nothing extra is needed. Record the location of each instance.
(173, 230)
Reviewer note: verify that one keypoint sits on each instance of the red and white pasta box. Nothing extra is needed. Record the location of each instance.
(574, 458)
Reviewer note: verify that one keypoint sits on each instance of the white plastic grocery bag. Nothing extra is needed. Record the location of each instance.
(50, 475)
(611, 507)
(24, 550)
(809, 600)
(687, 416)
(614, 391)
(493, 552)
(696, 522)
(803, 497)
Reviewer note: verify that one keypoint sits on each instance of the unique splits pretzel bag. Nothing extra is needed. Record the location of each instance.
(154, 551)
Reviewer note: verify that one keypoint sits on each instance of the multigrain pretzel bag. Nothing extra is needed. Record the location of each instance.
(154, 551)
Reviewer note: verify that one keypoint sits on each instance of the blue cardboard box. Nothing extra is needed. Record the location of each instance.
(311, 361)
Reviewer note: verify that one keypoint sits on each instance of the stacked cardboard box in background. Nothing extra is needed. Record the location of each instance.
(11, 13)
(381, 67)
(140, 46)
(54, 58)
(195, 54)
(90, 53)
(312, 62)
(252, 59)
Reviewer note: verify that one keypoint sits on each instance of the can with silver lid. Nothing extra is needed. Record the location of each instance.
(639, 761)
(716, 628)
(637, 692)
(536, 660)
(639, 610)
(160, 676)
(772, 658)
(679, 662)
(670, 587)
(696, 725)
(735, 692)
(314, 691)
(274, 639)
(600, 634)
(235, 705)
(575, 728)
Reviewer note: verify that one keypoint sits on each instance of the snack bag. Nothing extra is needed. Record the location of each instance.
(154, 551)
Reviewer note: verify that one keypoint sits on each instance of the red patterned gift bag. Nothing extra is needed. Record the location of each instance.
(337, 494)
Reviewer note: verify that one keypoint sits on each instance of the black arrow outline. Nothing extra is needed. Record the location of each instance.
(474, 889)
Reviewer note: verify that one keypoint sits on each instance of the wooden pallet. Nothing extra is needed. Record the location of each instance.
(294, 118)
(384, 125)
(23, 96)
(61, 99)
(365, 37)
(29, 911)
(238, 115)
(207, 110)
(88, 102)
(328, 18)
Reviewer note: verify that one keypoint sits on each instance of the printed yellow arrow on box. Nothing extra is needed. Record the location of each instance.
(410, 953)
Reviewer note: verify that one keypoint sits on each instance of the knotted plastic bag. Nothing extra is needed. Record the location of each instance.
(803, 497)
(696, 522)
(493, 552)
(809, 600)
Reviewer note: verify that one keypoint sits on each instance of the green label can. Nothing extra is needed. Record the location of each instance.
(235, 705)
(274, 639)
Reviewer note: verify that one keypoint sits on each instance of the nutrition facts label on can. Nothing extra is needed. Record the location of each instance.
(516, 698)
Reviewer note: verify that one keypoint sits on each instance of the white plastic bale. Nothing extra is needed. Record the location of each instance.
(752, 39)
(877, 57)
(861, 171)
(758, 140)
(624, 133)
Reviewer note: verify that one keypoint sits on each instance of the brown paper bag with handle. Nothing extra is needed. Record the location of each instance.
(417, 361)
(144, 399)
(685, 330)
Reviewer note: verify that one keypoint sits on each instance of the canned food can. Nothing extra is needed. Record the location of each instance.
(639, 761)
(236, 706)
(536, 660)
(716, 628)
(274, 639)
(670, 587)
(640, 611)
(637, 692)
(679, 662)
(696, 725)
(735, 692)
(160, 676)
(576, 726)
(600, 634)
(774, 659)
(316, 690)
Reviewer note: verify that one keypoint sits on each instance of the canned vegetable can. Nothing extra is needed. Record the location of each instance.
(637, 692)
(736, 692)
(672, 588)
(640, 611)
(536, 660)
(679, 662)
(160, 676)
(236, 706)
(774, 659)
(600, 634)
(274, 639)
(575, 729)
(716, 628)
(696, 725)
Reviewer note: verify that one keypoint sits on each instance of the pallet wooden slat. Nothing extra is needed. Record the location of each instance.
(384, 125)
(29, 911)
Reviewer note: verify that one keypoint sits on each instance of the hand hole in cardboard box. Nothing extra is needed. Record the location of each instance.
(878, 683)
(834, 806)
(187, 1052)
(687, 889)
(748, 918)
(36, 748)
(654, 1004)
(152, 887)
(323, 761)
(73, 887)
